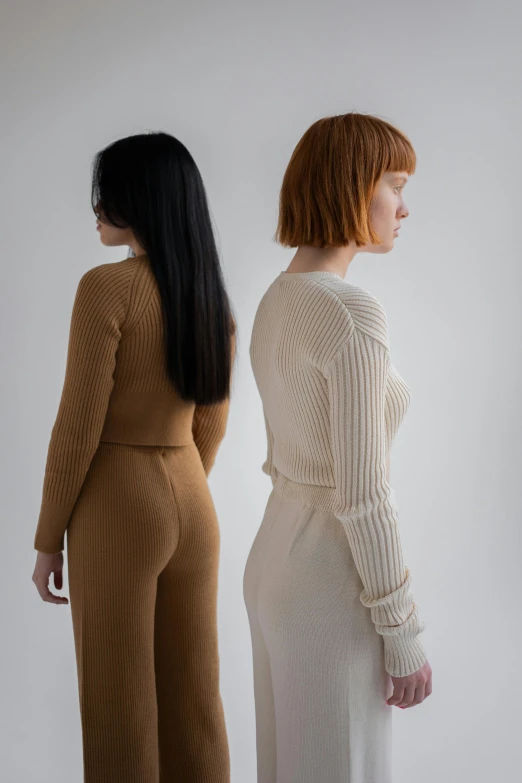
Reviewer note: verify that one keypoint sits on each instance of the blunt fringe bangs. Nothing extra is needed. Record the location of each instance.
(331, 177)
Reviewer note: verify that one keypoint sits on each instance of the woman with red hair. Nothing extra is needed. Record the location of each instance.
(333, 622)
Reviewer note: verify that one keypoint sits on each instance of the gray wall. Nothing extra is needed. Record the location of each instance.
(239, 83)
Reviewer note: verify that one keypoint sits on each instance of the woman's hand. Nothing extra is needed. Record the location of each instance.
(411, 690)
(45, 566)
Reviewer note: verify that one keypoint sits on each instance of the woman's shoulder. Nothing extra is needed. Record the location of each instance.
(113, 272)
(105, 290)
(114, 276)
(360, 307)
(326, 310)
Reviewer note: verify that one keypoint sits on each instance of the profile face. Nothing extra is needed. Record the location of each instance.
(387, 209)
(111, 236)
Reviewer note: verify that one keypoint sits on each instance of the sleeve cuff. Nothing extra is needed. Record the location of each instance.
(403, 656)
(50, 531)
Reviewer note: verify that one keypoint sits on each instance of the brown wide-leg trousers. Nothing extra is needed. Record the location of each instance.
(143, 549)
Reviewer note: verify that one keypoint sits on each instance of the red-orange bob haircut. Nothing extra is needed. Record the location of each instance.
(331, 177)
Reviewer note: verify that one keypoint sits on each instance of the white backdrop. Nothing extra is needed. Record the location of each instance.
(239, 83)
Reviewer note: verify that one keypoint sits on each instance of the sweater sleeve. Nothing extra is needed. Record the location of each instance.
(356, 379)
(210, 423)
(98, 313)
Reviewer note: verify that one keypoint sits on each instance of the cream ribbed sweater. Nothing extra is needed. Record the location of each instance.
(333, 402)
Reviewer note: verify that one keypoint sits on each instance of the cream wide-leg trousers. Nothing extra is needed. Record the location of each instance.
(320, 685)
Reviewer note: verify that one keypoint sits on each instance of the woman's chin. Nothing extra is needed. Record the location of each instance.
(384, 247)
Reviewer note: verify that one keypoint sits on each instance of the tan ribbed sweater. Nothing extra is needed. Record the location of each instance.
(116, 389)
(333, 402)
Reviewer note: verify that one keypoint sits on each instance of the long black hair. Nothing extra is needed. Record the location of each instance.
(150, 183)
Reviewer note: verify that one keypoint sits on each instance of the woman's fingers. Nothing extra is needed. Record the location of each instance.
(409, 695)
(42, 585)
(412, 689)
(45, 566)
(398, 694)
(419, 696)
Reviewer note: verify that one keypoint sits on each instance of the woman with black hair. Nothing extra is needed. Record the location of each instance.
(143, 410)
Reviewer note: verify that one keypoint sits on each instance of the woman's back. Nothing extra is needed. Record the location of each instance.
(116, 389)
(144, 407)
(142, 413)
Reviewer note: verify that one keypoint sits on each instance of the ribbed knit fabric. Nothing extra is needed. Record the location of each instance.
(333, 402)
(320, 686)
(143, 562)
(116, 389)
(126, 477)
